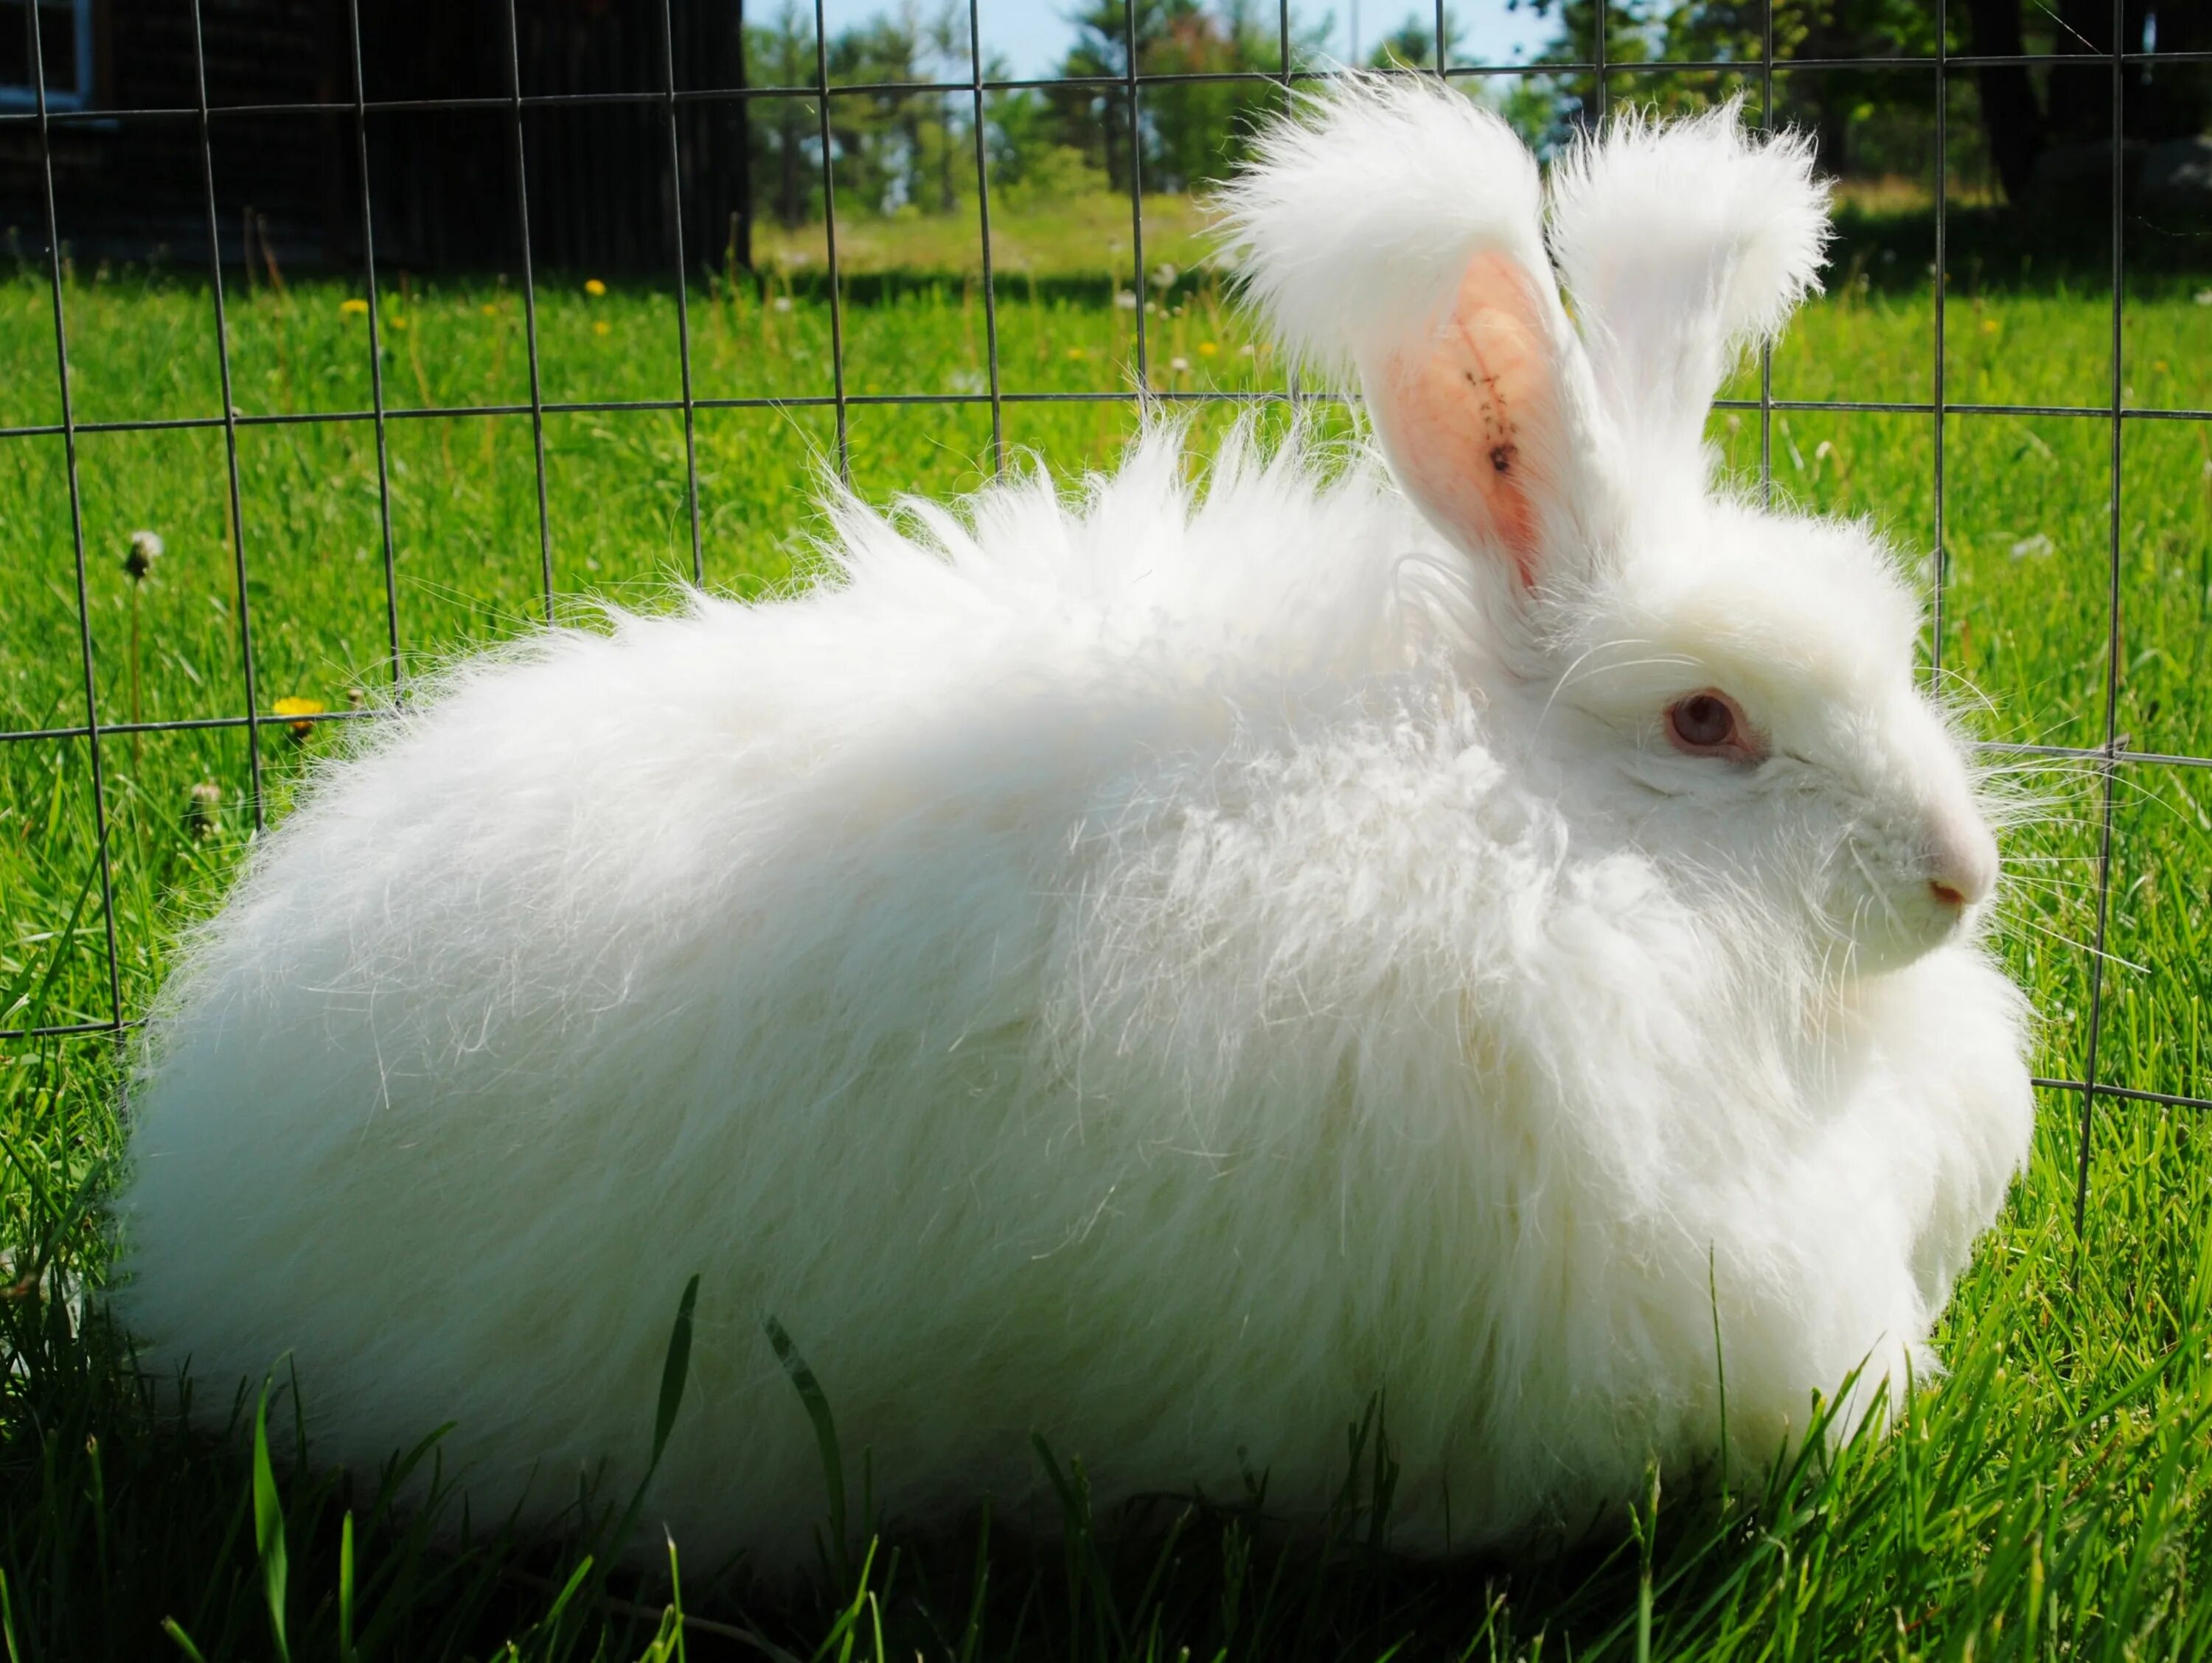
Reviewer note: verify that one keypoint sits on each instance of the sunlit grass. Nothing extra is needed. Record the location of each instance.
(2047, 1499)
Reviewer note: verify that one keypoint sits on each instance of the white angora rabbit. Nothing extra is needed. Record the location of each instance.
(1161, 969)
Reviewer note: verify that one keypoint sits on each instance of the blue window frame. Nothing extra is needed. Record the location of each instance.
(66, 34)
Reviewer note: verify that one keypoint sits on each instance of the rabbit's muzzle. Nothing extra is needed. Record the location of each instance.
(1894, 895)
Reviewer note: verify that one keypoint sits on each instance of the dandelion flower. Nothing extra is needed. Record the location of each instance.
(594, 288)
(354, 308)
(489, 309)
(145, 549)
(400, 323)
(1179, 365)
(296, 712)
(780, 303)
(600, 326)
(203, 810)
(1125, 299)
(1076, 354)
(1164, 274)
(1990, 326)
(1206, 348)
(2158, 364)
(1248, 350)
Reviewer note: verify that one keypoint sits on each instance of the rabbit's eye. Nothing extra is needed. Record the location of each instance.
(1708, 724)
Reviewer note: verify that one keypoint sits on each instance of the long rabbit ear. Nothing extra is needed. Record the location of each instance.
(1680, 245)
(1394, 228)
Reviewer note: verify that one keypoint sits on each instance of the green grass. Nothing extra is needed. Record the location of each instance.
(2047, 1499)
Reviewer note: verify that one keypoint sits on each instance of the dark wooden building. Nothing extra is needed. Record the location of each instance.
(284, 144)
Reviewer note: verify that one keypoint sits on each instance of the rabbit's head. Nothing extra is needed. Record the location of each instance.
(1717, 682)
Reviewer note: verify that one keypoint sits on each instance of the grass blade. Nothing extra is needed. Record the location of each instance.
(269, 1526)
(55, 960)
(345, 1589)
(676, 1368)
(675, 1372)
(825, 1432)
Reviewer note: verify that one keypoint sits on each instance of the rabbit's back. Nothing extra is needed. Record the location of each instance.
(763, 943)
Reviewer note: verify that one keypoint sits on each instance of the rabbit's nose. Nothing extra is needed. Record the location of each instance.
(1965, 867)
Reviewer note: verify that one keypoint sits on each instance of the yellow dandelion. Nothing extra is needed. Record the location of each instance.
(488, 309)
(2158, 364)
(1076, 354)
(296, 711)
(1206, 348)
(601, 326)
(594, 288)
(400, 323)
(1990, 326)
(354, 308)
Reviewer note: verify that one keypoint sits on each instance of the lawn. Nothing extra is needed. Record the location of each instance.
(2045, 1498)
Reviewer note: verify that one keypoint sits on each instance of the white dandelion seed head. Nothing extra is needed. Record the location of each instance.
(145, 549)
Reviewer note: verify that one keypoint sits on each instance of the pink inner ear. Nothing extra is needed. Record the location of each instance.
(1458, 411)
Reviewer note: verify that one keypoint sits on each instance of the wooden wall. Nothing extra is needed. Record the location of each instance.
(601, 195)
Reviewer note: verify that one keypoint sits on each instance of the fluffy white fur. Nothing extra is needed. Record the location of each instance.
(1352, 233)
(1155, 970)
(1682, 244)
(1359, 213)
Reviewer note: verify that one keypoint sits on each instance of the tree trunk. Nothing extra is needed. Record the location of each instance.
(741, 232)
(789, 208)
(2012, 119)
(952, 199)
(2175, 102)
(2078, 103)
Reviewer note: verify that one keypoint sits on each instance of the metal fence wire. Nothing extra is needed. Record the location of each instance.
(2103, 760)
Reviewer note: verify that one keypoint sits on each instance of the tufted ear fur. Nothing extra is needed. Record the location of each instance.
(1681, 244)
(1394, 228)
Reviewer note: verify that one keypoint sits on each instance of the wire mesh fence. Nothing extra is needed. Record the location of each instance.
(2108, 755)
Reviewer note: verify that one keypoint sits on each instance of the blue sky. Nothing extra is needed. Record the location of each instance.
(1033, 34)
